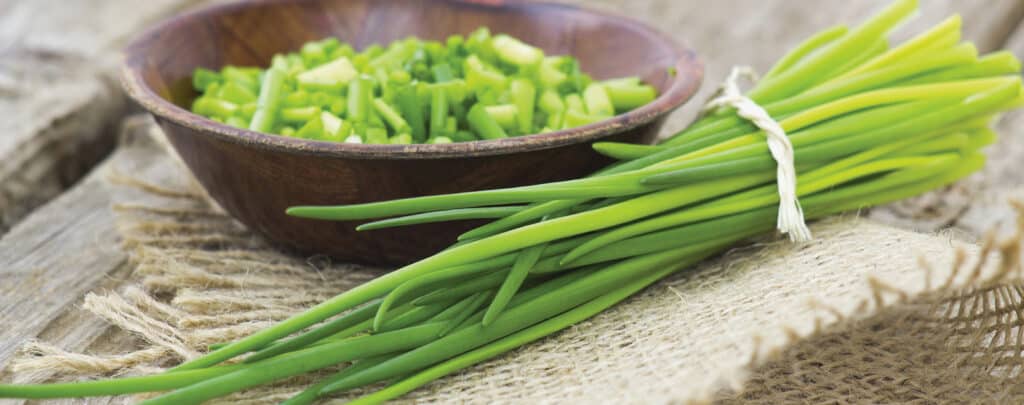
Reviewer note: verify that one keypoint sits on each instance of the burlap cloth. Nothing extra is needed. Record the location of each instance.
(865, 313)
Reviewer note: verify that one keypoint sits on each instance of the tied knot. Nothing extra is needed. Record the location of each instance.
(791, 215)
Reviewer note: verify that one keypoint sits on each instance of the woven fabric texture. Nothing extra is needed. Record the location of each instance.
(854, 316)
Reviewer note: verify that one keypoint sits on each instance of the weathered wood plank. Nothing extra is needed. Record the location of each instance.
(65, 249)
(78, 330)
(70, 247)
(57, 91)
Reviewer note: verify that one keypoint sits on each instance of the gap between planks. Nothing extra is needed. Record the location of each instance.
(990, 22)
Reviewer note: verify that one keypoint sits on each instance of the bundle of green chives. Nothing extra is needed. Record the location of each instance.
(868, 124)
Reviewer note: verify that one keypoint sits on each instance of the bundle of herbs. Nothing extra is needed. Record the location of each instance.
(868, 123)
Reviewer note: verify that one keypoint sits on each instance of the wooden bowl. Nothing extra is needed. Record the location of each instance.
(255, 176)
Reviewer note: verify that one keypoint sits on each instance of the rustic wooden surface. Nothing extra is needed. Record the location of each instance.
(48, 267)
(58, 94)
(68, 246)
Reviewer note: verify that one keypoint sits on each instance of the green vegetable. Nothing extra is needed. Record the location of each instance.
(312, 129)
(524, 96)
(550, 102)
(440, 216)
(334, 127)
(401, 139)
(271, 90)
(410, 106)
(423, 89)
(301, 361)
(299, 115)
(596, 99)
(506, 115)
(360, 96)
(391, 116)
(215, 107)
(236, 93)
(333, 75)
(203, 78)
(625, 97)
(869, 124)
(484, 124)
(438, 112)
(516, 52)
(236, 122)
(520, 269)
(376, 135)
(442, 72)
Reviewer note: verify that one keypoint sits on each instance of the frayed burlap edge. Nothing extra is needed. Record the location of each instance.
(973, 306)
(201, 278)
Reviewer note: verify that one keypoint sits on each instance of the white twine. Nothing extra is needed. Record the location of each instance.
(791, 215)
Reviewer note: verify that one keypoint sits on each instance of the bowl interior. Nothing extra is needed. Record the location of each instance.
(255, 177)
(249, 34)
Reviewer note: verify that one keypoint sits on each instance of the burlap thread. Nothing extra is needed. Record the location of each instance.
(851, 316)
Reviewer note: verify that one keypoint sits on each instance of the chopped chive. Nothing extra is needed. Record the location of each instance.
(203, 78)
(214, 107)
(360, 94)
(597, 102)
(270, 95)
(524, 95)
(409, 104)
(625, 98)
(392, 117)
(438, 111)
(505, 115)
(299, 114)
(485, 125)
(401, 139)
(376, 135)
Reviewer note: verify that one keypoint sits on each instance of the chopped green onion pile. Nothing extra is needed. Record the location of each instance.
(869, 123)
(479, 87)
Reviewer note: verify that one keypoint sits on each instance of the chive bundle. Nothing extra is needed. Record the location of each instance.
(869, 125)
(467, 88)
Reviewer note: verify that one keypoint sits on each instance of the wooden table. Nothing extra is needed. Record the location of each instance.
(64, 112)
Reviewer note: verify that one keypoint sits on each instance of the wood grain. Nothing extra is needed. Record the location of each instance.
(67, 248)
(256, 177)
(727, 32)
(57, 93)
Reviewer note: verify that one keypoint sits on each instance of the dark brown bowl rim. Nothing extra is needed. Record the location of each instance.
(689, 72)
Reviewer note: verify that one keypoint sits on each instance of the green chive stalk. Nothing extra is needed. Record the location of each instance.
(869, 124)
